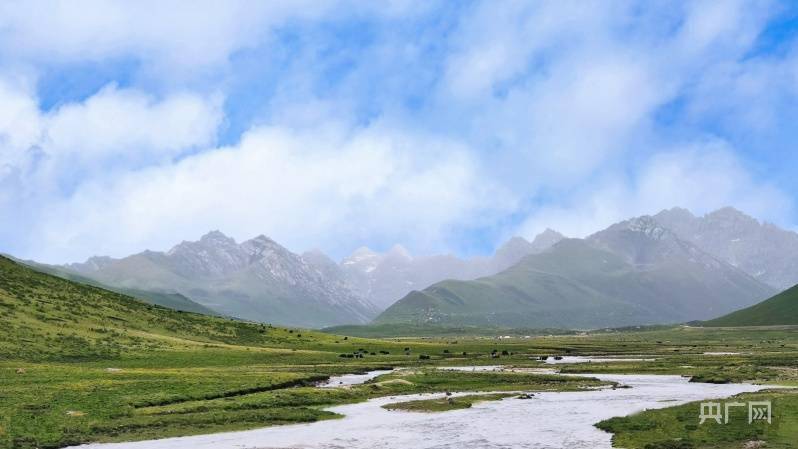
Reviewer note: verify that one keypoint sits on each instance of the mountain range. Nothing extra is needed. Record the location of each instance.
(671, 266)
(384, 278)
(761, 249)
(634, 272)
(257, 280)
(261, 280)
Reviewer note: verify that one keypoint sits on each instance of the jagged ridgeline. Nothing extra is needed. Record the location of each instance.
(261, 280)
(49, 318)
(257, 280)
(673, 266)
(635, 272)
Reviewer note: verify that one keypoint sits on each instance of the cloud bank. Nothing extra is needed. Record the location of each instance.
(441, 126)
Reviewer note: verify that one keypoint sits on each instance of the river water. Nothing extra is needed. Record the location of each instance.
(548, 420)
(347, 380)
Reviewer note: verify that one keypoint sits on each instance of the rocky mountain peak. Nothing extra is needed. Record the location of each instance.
(262, 240)
(318, 259)
(515, 242)
(216, 236)
(399, 252)
(361, 262)
(262, 247)
(643, 241)
(212, 241)
(546, 239)
(731, 217)
(762, 250)
(213, 255)
(94, 263)
(257, 280)
(647, 226)
(674, 214)
(513, 250)
(362, 253)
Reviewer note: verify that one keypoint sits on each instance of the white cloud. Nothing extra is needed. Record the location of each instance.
(135, 124)
(565, 126)
(700, 177)
(167, 33)
(20, 121)
(321, 189)
(46, 155)
(555, 87)
(114, 127)
(729, 26)
(173, 40)
(566, 89)
(553, 100)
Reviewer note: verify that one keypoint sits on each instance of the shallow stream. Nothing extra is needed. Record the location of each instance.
(548, 420)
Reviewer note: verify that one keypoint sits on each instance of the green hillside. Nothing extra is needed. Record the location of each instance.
(527, 296)
(49, 318)
(576, 285)
(82, 364)
(781, 309)
(166, 299)
(171, 300)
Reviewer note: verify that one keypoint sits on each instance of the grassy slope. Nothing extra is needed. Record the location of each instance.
(538, 292)
(781, 309)
(78, 363)
(678, 427)
(162, 298)
(572, 286)
(576, 286)
(56, 319)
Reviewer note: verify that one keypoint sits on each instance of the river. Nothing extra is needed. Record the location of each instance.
(548, 420)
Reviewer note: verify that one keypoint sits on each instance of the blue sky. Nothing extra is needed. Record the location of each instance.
(442, 126)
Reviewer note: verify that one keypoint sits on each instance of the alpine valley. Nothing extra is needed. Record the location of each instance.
(666, 268)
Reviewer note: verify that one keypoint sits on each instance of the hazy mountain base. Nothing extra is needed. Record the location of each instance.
(263, 281)
(260, 280)
(577, 285)
(781, 309)
(387, 277)
(431, 330)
